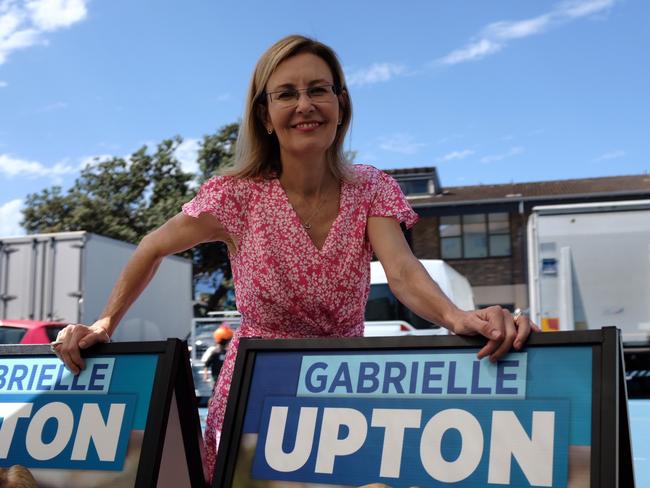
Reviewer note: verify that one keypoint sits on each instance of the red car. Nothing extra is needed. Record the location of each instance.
(28, 331)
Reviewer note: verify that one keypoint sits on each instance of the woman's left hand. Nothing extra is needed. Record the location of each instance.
(498, 325)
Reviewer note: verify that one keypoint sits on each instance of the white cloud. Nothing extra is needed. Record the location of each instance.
(376, 73)
(50, 15)
(471, 52)
(495, 36)
(187, 153)
(18, 40)
(11, 167)
(23, 23)
(10, 20)
(400, 143)
(610, 155)
(224, 97)
(582, 8)
(456, 155)
(3, 84)
(505, 30)
(10, 217)
(513, 151)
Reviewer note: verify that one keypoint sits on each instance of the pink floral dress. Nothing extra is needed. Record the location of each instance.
(285, 286)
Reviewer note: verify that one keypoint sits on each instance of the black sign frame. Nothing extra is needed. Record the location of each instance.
(173, 376)
(610, 419)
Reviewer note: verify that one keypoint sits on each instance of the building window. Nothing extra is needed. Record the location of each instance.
(415, 187)
(451, 237)
(475, 236)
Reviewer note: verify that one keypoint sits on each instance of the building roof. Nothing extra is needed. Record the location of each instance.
(609, 186)
(411, 171)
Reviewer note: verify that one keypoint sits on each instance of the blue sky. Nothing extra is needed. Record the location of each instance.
(487, 91)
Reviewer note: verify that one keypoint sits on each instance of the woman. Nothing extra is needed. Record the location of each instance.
(301, 226)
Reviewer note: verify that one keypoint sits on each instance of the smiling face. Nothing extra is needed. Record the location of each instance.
(307, 127)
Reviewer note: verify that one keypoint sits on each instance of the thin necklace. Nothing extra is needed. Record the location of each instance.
(307, 224)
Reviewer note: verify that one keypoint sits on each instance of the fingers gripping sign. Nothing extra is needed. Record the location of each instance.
(493, 327)
(507, 336)
(524, 327)
(72, 339)
(500, 327)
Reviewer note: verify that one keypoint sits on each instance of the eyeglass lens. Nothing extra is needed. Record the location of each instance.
(290, 96)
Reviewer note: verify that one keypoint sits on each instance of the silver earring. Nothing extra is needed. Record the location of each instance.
(270, 131)
(340, 122)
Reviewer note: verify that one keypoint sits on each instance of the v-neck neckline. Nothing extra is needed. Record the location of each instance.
(297, 221)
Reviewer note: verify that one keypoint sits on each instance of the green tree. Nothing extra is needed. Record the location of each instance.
(217, 151)
(122, 198)
(211, 259)
(125, 198)
(47, 211)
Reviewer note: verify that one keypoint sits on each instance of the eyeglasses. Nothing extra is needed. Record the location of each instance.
(289, 96)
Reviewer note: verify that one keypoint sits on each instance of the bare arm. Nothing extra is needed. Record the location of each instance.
(178, 234)
(413, 286)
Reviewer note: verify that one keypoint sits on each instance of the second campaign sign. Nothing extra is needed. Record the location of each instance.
(418, 418)
(128, 419)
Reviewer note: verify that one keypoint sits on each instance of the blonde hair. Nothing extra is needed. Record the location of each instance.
(17, 476)
(257, 153)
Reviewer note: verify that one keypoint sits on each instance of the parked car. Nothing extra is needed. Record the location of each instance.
(29, 331)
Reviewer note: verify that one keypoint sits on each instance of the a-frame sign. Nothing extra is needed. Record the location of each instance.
(422, 411)
(129, 419)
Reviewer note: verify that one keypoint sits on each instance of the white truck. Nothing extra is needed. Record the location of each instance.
(385, 315)
(589, 267)
(68, 276)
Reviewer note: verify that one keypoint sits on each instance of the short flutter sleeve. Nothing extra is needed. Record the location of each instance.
(225, 198)
(389, 201)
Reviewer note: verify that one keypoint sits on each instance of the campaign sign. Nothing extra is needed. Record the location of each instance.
(109, 425)
(414, 412)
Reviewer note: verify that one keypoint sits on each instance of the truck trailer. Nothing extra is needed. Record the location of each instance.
(68, 276)
(385, 315)
(589, 267)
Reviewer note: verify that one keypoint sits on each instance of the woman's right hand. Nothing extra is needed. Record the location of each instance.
(74, 337)
(178, 234)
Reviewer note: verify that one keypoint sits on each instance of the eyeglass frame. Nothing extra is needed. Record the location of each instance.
(336, 90)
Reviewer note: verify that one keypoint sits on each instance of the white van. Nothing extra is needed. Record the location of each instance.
(386, 316)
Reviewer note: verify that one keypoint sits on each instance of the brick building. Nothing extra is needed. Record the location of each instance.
(480, 230)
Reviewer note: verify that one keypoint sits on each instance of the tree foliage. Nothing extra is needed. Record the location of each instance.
(217, 151)
(126, 198)
(122, 198)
